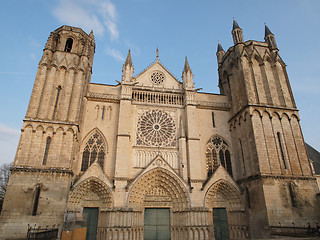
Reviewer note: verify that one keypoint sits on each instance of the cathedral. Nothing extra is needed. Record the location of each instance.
(153, 158)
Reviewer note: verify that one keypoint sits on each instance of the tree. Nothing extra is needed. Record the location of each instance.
(4, 178)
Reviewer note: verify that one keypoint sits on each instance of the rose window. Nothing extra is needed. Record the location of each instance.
(157, 77)
(156, 128)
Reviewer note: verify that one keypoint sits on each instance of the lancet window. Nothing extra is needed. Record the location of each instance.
(292, 193)
(94, 150)
(36, 201)
(56, 104)
(46, 151)
(217, 153)
(281, 150)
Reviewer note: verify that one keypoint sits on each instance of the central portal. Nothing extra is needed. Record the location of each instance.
(157, 224)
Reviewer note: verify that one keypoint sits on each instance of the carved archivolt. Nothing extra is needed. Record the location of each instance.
(91, 192)
(223, 194)
(158, 187)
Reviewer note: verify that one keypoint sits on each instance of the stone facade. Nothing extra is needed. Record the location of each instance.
(153, 142)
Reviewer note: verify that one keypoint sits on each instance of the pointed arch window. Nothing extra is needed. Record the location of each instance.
(68, 46)
(213, 121)
(217, 153)
(292, 193)
(103, 110)
(248, 197)
(94, 150)
(56, 103)
(282, 150)
(36, 201)
(46, 151)
(212, 161)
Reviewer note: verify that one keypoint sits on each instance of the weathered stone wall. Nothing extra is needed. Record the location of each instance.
(20, 199)
(33, 141)
(298, 206)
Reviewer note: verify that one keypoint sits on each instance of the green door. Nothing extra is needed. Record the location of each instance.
(157, 224)
(220, 222)
(92, 222)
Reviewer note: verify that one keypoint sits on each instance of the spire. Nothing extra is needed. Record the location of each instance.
(236, 33)
(267, 30)
(128, 60)
(186, 66)
(269, 38)
(235, 24)
(220, 52)
(157, 57)
(219, 47)
(127, 69)
(187, 76)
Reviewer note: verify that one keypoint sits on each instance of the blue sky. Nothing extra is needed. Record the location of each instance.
(178, 28)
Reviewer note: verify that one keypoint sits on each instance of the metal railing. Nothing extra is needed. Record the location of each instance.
(38, 233)
(294, 230)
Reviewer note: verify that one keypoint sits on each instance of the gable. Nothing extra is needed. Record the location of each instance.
(157, 76)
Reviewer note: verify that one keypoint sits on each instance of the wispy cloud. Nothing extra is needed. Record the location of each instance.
(32, 42)
(109, 14)
(9, 138)
(99, 15)
(8, 132)
(115, 54)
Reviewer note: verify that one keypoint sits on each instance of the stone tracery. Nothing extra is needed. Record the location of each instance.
(157, 77)
(156, 128)
(94, 150)
(217, 153)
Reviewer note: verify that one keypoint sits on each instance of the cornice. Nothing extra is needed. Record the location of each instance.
(276, 177)
(213, 105)
(263, 107)
(102, 97)
(50, 121)
(45, 170)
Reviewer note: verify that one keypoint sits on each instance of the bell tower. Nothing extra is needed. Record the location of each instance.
(63, 75)
(43, 168)
(271, 160)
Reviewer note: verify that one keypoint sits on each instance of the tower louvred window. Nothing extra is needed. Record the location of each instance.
(68, 46)
(94, 150)
(217, 153)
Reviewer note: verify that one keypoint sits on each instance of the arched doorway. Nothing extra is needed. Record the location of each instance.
(159, 193)
(88, 197)
(228, 214)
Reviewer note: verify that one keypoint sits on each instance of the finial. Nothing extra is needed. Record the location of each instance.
(157, 55)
